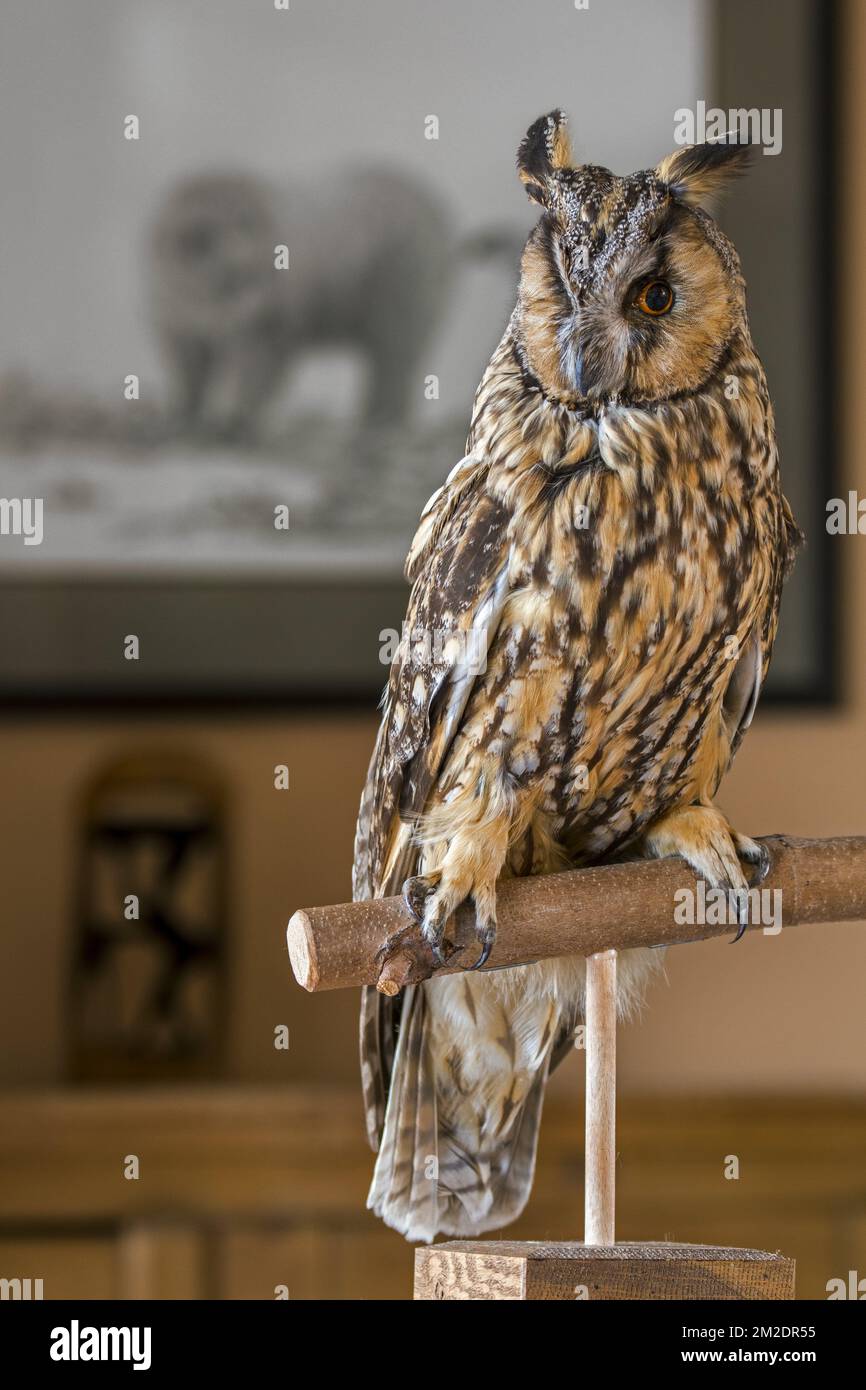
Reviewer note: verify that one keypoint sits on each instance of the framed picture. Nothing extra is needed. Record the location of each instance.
(247, 316)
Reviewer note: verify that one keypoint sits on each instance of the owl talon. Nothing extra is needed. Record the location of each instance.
(486, 934)
(764, 865)
(419, 900)
(430, 908)
(416, 894)
(742, 918)
(759, 856)
(755, 854)
(407, 901)
(482, 960)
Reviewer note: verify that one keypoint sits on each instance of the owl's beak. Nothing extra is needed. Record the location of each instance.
(585, 371)
(579, 371)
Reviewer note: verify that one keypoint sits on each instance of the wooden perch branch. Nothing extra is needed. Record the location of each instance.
(579, 913)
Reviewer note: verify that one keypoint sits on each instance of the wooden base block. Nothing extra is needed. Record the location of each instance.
(539, 1270)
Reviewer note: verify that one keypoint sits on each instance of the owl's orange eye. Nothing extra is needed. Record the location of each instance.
(655, 298)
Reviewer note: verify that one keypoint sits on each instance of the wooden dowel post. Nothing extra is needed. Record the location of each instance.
(600, 1158)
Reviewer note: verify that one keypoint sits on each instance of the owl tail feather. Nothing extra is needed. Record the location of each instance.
(425, 1183)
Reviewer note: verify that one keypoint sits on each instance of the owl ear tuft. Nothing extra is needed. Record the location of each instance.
(695, 174)
(544, 148)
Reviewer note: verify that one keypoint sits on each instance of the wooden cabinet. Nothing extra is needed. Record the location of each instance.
(260, 1193)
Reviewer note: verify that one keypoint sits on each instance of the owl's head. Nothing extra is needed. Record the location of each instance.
(629, 291)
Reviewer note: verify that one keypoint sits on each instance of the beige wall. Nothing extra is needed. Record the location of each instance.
(782, 1013)
(287, 848)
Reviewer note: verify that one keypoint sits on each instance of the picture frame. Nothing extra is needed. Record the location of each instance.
(218, 635)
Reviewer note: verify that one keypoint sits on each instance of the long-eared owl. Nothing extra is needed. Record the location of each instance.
(613, 545)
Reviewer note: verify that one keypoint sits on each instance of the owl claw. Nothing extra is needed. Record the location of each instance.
(407, 900)
(765, 864)
(486, 934)
(486, 948)
(416, 893)
(756, 854)
(759, 856)
(420, 897)
(742, 919)
(437, 952)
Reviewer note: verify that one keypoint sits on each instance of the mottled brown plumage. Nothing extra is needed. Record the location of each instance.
(614, 546)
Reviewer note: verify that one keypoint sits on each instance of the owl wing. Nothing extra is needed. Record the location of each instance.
(750, 672)
(459, 569)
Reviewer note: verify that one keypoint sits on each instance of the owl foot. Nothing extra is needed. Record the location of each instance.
(419, 897)
(703, 837)
(432, 899)
(753, 853)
